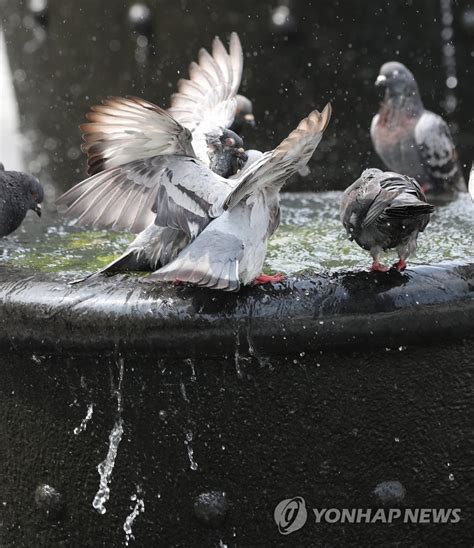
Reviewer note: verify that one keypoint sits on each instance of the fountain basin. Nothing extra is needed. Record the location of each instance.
(352, 310)
(125, 406)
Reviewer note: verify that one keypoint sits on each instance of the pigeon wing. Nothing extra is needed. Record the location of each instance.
(275, 167)
(212, 261)
(124, 129)
(176, 192)
(438, 154)
(207, 101)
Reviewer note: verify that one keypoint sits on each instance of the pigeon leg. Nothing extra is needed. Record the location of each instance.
(400, 265)
(268, 278)
(377, 266)
(404, 251)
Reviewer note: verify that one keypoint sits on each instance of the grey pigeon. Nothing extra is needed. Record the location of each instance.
(412, 140)
(244, 114)
(117, 132)
(194, 225)
(19, 193)
(385, 210)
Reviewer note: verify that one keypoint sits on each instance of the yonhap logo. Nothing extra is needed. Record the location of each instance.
(290, 515)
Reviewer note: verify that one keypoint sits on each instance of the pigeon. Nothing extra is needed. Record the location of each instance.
(19, 192)
(412, 140)
(243, 115)
(385, 210)
(121, 130)
(194, 225)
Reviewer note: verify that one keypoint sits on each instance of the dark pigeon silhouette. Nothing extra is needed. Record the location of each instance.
(19, 192)
(412, 140)
(244, 114)
(385, 210)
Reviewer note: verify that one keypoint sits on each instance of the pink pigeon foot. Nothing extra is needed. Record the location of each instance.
(268, 279)
(401, 265)
(377, 267)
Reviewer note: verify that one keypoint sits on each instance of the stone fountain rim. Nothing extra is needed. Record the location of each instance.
(344, 310)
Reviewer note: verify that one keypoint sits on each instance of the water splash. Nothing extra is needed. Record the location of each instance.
(85, 420)
(238, 367)
(105, 468)
(137, 509)
(193, 369)
(449, 54)
(10, 141)
(187, 442)
(182, 387)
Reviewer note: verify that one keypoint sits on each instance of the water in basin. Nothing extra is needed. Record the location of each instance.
(310, 238)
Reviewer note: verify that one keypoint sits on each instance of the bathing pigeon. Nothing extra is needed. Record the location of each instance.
(195, 226)
(412, 140)
(243, 115)
(123, 129)
(385, 210)
(19, 192)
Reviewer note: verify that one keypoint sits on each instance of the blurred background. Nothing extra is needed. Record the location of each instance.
(59, 57)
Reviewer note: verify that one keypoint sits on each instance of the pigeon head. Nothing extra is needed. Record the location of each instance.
(244, 113)
(34, 193)
(397, 79)
(226, 152)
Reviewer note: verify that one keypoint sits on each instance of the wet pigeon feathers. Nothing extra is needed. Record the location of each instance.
(385, 210)
(412, 140)
(194, 225)
(19, 193)
(125, 129)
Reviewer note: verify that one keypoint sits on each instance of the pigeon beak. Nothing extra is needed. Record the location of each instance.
(250, 120)
(240, 159)
(381, 80)
(37, 210)
(241, 154)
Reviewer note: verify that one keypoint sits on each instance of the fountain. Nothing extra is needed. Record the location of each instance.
(146, 415)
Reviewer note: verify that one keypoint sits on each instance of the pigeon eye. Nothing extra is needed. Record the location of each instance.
(35, 196)
(229, 142)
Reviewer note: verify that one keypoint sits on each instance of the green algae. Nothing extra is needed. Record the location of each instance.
(310, 238)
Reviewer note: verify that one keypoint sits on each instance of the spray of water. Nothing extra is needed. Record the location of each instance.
(105, 468)
(449, 54)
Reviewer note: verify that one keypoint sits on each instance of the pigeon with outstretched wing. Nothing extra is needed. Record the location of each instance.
(126, 129)
(177, 202)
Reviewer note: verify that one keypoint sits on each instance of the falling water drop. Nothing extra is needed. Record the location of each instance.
(449, 54)
(187, 442)
(137, 509)
(85, 420)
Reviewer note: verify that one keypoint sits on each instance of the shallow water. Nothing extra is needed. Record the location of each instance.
(311, 237)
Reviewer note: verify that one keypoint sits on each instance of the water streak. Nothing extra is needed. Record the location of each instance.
(187, 442)
(85, 420)
(138, 508)
(105, 468)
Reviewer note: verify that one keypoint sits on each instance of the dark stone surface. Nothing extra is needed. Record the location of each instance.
(327, 427)
(321, 388)
(49, 501)
(211, 508)
(355, 310)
